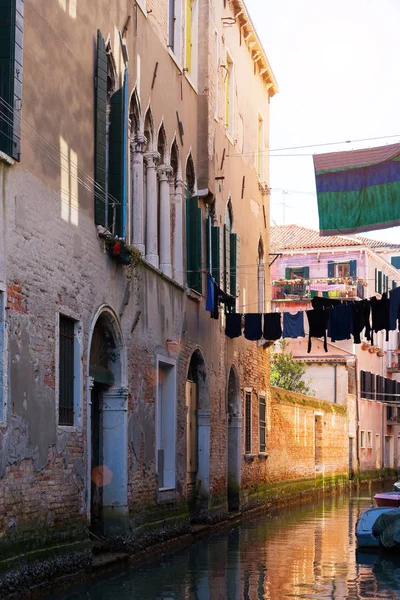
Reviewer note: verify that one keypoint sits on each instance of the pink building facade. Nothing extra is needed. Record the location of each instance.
(309, 265)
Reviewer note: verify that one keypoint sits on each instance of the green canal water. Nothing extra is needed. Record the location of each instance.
(305, 551)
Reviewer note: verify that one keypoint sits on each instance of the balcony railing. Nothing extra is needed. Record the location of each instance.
(299, 289)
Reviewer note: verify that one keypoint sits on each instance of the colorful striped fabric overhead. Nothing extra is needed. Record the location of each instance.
(359, 190)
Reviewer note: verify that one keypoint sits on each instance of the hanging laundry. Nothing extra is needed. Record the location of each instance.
(361, 312)
(340, 323)
(272, 326)
(210, 294)
(252, 327)
(233, 327)
(394, 308)
(318, 324)
(380, 310)
(293, 325)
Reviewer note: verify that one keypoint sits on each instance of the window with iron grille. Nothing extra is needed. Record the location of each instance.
(66, 371)
(247, 431)
(262, 422)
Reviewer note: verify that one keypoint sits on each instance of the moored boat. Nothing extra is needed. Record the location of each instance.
(366, 538)
(387, 499)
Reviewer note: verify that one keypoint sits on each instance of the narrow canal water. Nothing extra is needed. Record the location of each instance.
(305, 551)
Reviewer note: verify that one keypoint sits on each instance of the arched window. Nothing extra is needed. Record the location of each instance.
(150, 185)
(164, 204)
(261, 277)
(177, 213)
(137, 148)
(193, 231)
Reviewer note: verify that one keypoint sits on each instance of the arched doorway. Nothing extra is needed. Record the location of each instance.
(197, 437)
(108, 437)
(234, 433)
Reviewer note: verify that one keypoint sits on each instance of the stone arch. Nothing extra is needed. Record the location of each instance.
(135, 114)
(162, 146)
(198, 436)
(234, 437)
(107, 426)
(190, 176)
(149, 130)
(175, 160)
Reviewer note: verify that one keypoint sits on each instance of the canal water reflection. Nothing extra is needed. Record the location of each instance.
(302, 552)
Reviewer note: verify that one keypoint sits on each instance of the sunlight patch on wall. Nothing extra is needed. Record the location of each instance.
(69, 183)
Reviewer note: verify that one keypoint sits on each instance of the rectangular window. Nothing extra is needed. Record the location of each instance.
(191, 38)
(174, 27)
(2, 359)
(216, 74)
(395, 260)
(362, 439)
(229, 93)
(369, 439)
(11, 47)
(262, 423)
(298, 274)
(166, 429)
(260, 148)
(247, 432)
(66, 370)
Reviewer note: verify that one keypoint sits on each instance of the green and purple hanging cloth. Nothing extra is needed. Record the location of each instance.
(358, 190)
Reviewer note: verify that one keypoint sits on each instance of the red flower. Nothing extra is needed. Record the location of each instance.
(117, 248)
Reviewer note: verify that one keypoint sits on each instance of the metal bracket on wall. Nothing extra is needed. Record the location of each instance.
(276, 255)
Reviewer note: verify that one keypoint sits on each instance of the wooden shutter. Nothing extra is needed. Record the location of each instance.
(100, 168)
(189, 17)
(379, 282)
(216, 253)
(376, 280)
(227, 259)
(11, 47)
(117, 160)
(234, 260)
(394, 284)
(193, 244)
(353, 268)
(306, 272)
(331, 269)
(288, 271)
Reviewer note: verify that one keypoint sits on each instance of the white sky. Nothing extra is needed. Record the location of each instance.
(337, 67)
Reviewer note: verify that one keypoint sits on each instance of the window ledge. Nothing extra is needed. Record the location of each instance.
(230, 137)
(7, 159)
(174, 59)
(263, 455)
(154, 269)
(190, 81)
(249, 457)
(68, 428)
(142, 8)
(193, 295)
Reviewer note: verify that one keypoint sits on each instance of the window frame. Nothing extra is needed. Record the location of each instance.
(362, 438)
(77, 370)
(174, 35)
(229, 95)
(170, 363)
(369, 439)
(248, 405)
(262, 401)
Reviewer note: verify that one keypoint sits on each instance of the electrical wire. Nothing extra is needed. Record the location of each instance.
(90, 184)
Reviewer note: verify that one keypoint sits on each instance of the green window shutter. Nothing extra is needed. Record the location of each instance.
(395, 260)
(208, 243)
(117, 160)
(216, 253)
(193, 244)
(100, 167)
(376, 280)
(234, 260)
(394, 284)
(379, 282)
(11, 47)
(227, 257)
(306, 272)
(331, 269)
(288, 270)
(353, 268)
